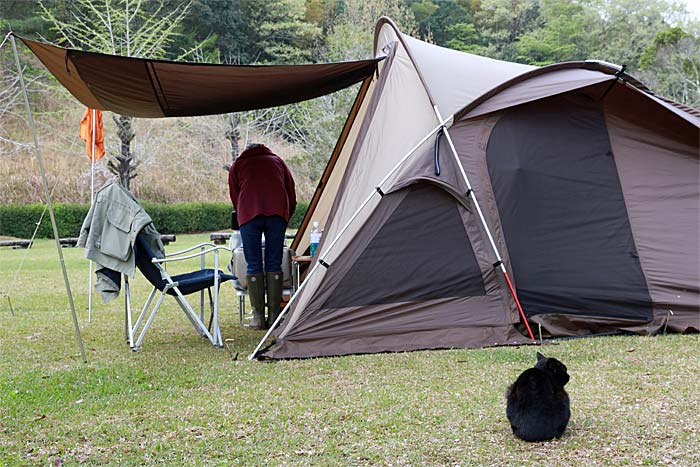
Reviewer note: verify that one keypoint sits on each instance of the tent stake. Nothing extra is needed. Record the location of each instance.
(9, 302)
(321, 261)
(48, 199)
(484, 225)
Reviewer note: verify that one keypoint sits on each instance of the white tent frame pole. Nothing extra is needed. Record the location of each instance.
(48, 199)
(321, 261)
(499, 259)
(92, 201)
(471, 191)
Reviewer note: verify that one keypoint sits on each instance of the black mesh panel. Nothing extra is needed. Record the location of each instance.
(422, 252)
(563, 212)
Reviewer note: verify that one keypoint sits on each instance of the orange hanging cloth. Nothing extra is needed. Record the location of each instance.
(86, 133)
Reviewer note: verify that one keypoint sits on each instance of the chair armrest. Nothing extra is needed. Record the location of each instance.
(213, 248)
(175, 253)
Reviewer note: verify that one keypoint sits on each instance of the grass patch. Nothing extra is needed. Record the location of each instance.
(181, 402)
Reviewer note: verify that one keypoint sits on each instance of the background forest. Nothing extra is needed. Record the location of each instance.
(183, 159)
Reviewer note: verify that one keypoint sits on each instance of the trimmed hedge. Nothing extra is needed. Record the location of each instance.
(298, 216)
(20, 220)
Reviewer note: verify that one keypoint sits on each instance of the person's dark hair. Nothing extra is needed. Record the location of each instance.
(253, 145)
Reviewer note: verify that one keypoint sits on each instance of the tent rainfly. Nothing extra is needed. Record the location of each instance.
(574, 178)
(466, 197)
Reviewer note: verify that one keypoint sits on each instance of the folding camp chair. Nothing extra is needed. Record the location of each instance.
(177, 286)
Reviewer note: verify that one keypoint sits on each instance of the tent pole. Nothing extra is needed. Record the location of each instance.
(322, 261)
(92, 201)
(48, 200)
(284, 312)
(484, 225)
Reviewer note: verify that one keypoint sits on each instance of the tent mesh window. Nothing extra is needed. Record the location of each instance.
(422, 252)
(563, 212)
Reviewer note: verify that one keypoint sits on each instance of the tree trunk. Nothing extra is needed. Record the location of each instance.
(233, 134)
(123, 165)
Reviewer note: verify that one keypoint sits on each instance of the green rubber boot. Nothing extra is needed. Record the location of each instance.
(256, 293)
(274, 296)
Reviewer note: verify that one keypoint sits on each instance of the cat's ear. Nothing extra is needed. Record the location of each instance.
(540, 356)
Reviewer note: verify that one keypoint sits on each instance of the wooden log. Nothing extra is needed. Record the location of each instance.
(68, 241)
(16, 243)
(219, 238)
(167, 238)
(71, 241)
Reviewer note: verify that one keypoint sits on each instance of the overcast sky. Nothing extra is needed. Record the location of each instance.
(693, 7)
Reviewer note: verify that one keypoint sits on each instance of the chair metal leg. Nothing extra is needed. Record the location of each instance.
(192, 314)
(211, 308)
(201, 305)
(201, 292)
(149, 321)
(241, 306)
(129, 330)
(143, 310)
(183, 307)
(218, 342)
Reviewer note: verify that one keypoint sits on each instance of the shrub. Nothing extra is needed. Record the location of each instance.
(20, 220)
(298, 216)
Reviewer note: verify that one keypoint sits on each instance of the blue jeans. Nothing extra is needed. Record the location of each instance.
(274, 228)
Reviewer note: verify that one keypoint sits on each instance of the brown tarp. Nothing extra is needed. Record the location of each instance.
(157, 88)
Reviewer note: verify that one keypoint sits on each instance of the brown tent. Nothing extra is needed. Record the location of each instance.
(574, 176)
(458, 181)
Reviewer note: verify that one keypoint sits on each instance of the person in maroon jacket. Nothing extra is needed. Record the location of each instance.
(262, 192)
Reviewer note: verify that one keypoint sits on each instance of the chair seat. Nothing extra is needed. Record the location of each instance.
(198, 280)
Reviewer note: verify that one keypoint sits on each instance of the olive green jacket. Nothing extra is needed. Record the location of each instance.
(109, 230)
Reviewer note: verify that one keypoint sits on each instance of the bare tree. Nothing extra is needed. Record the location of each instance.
(119, 27)
(9, 98)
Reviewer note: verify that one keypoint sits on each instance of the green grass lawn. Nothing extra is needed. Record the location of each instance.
(179, 401)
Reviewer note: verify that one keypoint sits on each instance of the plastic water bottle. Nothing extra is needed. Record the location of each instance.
(315, 238)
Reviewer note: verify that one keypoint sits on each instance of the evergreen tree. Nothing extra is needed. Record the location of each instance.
(671, 66)
(563, 36)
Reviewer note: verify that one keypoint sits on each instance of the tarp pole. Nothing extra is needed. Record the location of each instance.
(48, 200)
(484, 225)
(342, 231)
(92, 201)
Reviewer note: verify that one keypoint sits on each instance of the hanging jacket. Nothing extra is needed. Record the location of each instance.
(109, 230)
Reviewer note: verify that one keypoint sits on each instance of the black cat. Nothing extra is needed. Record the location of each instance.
(538, 406)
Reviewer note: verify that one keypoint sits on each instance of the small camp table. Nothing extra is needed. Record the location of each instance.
(296, 269)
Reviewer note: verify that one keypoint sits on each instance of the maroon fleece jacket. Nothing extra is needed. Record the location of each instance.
(260, 183)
